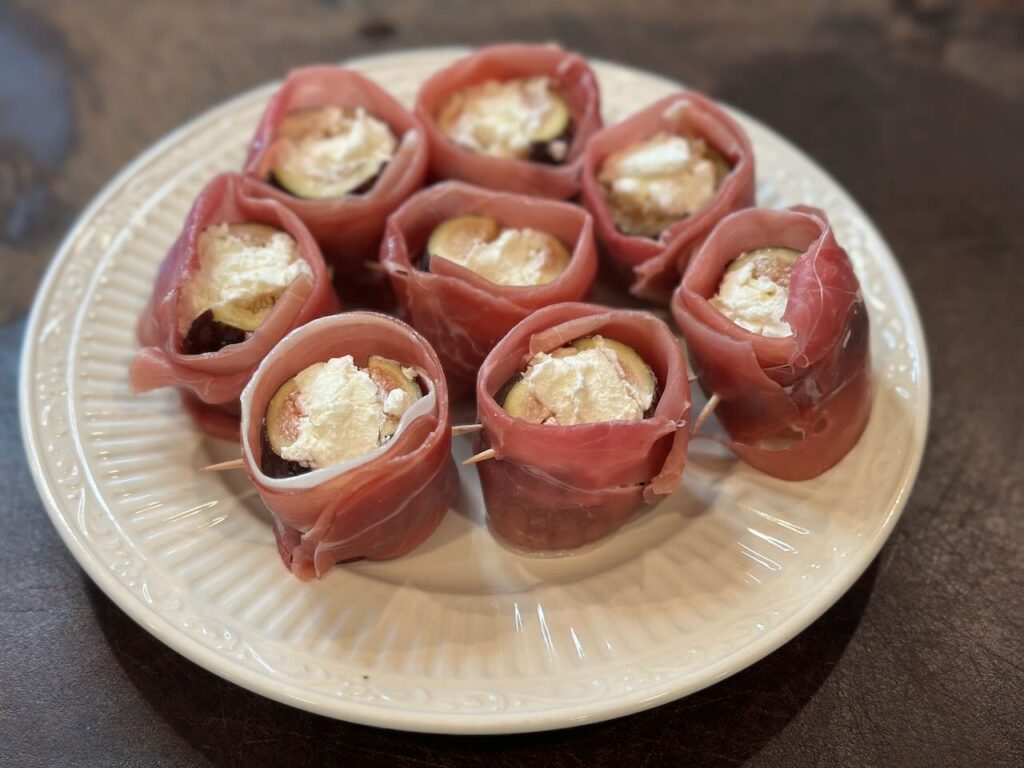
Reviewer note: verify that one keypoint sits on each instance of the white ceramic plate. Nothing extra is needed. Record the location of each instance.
(462, 636)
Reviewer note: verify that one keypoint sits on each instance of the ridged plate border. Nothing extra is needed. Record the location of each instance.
(62, 358)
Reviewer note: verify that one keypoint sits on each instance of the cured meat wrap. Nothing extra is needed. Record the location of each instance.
(341, 153)
(459, 310)
(795, 405)
(659, 181)
(212, 380)
(378, 505)
(530, 141)
(551, 486)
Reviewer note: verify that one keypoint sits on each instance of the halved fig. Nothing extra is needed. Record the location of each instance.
(388, 375)
(653, 183)
(229, 323)
(520, 402)
(301, 166)
(556, 262)
(453, 239)
(246, 317)
(522, 118)
(209, 334)
(556, 121)
(456, 238)
(554, 151)
(282, 416)
(279, 432)
(637, 371)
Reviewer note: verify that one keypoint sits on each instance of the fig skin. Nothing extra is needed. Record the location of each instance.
(273, 465)
(362, 189)
(540, 151)
(207, 334)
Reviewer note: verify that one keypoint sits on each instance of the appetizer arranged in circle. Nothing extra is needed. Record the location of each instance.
(346, 435)
(514, 117)
(468, 264)
(243, 273)
(341, 153)
(659, 181)
(584, 412)
(778, 332)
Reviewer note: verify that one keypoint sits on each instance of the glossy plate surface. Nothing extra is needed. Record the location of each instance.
(462, 636)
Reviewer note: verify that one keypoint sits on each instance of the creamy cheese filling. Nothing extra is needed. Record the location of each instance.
(242, 267)
(338, 413)
(330, 151)
(654, 183)
(755, 289)
(583, 387)
(501, 119)
(515, 257)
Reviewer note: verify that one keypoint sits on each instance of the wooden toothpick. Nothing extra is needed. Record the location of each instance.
(482, 456)
(705, 413)
(223, 465)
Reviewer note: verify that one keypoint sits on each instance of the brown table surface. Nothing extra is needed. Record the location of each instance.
(917, 107)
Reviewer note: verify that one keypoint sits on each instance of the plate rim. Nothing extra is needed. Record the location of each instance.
(455, 722)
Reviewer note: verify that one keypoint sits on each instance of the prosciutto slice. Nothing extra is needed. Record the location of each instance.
(793, 406)
(212, 382)
(347, 228)
(559, 487)
(379, 508)
(652, 267)
(463, 314)
(570, 75)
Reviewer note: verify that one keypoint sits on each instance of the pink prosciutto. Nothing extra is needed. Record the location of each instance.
(348, 228)
(571, 77)
(380, 509)
(792, 406)
(463, 314)
(559, 487)
(212, 382)
(651, 267)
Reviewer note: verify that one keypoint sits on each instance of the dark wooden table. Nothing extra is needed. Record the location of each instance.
(917, 107)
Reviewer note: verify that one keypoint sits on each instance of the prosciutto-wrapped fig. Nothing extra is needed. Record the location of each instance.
(346, 435)
(659, 181)
(468, 264)
(777, 330)
(585, 411)
(341, 153)
(243, 273)
(514, 117)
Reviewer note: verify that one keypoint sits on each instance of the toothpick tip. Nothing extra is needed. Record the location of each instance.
(223, 465)
(490, 453)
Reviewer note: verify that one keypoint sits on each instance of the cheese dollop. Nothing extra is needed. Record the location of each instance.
(242, 265)
(515, 257)
(754, 291)
(583, 387)
(654, 183)
(339, 413)
(499, 118)
(330, 151)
